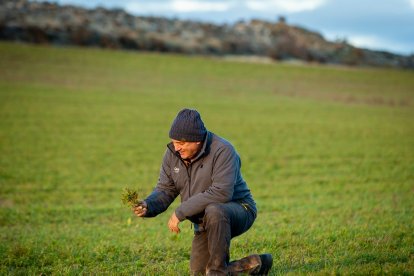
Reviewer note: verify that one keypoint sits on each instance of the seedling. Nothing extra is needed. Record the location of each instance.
(130, 198)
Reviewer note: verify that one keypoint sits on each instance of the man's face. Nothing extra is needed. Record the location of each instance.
(187, 150)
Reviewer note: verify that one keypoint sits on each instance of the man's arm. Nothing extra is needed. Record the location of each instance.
(163, 195)
(226, 170)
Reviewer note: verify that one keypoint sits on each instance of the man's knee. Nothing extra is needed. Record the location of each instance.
(214, 213)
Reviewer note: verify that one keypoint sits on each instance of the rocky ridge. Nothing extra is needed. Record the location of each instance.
(44, 22)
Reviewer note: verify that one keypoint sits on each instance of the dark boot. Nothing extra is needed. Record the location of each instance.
(247, 265)
(251, 265)
(266, 261)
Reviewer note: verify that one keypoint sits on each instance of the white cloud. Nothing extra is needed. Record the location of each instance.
(365, 41)
(291, 6)
(141, 8)
(196, 6)
(373, 42)
(181, 6)
(377, 43)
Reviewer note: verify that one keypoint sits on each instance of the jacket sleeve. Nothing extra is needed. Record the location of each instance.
(225, 172)
(164, 193)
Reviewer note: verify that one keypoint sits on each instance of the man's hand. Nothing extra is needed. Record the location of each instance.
(173, 223)
(141, 209)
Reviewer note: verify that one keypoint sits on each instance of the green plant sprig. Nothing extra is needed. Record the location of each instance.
(130, 197)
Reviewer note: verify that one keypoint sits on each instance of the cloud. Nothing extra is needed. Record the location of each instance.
(189, 6)
(411, 3)
(141, 8)
(374, 42)
(180, 6)
(290, 6)
(368, 41)
(204, 6)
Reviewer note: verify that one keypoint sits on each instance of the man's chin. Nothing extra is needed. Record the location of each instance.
(185, 157)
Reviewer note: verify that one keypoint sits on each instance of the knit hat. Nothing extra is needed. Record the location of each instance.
(188, 126)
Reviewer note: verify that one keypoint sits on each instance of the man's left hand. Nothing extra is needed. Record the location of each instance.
(173, 223)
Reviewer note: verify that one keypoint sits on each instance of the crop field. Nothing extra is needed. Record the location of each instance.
(327, 151)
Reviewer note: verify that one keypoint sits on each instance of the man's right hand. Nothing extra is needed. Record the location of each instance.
(141, 209)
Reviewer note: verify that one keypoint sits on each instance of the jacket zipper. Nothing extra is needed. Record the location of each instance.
(188, 169)
(189, 178)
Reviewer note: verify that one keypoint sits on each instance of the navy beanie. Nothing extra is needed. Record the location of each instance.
(188, 126)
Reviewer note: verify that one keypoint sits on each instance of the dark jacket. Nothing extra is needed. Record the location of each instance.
(212, 177)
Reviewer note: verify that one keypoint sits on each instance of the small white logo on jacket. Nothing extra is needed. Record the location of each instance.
(176, 170)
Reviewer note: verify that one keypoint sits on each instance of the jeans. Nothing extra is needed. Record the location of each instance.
(211, 243)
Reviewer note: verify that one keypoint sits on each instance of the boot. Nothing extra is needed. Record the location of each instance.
(266, 261)
(246, 265)
(251, 265)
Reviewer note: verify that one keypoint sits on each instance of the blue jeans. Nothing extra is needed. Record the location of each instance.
(211, 243)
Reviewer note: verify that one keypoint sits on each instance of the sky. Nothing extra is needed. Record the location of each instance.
(374, 24)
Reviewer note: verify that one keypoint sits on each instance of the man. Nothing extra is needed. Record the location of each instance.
(204, 170)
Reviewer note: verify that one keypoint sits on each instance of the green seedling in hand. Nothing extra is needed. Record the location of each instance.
(130, 198)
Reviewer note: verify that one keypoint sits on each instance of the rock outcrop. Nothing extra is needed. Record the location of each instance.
(43, 22)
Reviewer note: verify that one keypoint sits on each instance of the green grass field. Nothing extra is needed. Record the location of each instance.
(328, 153)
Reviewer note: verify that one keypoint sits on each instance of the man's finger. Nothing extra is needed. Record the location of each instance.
(170, 226)
(142, 213)
(173, 228)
